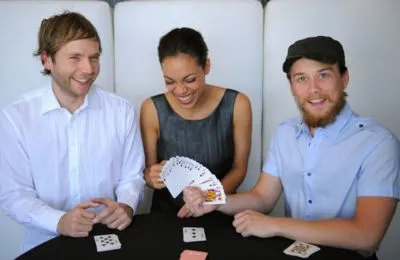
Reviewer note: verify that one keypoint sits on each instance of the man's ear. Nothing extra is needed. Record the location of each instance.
(345, 79)
(292, 90)
(289, 78)
(47, 61)
(207, 67)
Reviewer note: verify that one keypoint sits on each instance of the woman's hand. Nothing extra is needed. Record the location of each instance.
(152, 175)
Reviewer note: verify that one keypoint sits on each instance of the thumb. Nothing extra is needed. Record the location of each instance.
(163, 162)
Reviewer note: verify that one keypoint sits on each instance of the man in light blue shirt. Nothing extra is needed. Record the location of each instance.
(339, 172)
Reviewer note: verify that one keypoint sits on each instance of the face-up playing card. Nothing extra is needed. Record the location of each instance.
(176, 175)
(193, 234)
(179, 172)
(213, 191)
(202, 176)
(214, 196)
(107, 242)
(193, 255)
(210, 182)
(301, 249)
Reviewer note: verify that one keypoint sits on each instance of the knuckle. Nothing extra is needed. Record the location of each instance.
(112, 225)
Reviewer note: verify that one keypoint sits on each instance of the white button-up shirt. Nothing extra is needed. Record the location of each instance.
(53, 160)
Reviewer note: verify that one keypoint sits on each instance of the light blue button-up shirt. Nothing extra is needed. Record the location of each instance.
(322, 176)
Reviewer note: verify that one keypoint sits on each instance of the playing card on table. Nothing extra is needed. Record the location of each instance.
(193, 255)
(301, 249)
(193, 234)
(107, 242)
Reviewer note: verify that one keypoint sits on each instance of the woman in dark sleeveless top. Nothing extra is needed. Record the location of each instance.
(209, 124)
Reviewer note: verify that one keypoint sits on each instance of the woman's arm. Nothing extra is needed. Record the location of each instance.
(150, 127)
(242, 128)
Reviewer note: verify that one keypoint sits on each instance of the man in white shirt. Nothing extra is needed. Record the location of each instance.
(72, 154)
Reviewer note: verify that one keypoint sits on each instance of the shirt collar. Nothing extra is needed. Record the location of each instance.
(302, 129)
(331, 130)
(50, 101)
(91, 99)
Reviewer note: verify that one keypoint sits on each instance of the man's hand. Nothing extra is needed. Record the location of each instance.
(253, 223)
(152, 175)
(184, 212)
(194, 199)
(115, 215)
(77, 222)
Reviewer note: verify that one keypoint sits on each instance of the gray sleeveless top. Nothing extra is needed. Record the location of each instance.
(208, 141)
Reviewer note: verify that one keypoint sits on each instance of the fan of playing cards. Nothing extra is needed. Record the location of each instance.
(179, 172)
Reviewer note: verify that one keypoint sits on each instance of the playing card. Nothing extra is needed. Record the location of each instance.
(195, 169)
(202, 176)
(193, 255)
(107, 242)
(179, 172)
(210, 182)
(193, 234)
(175, 175)
(301, 249)
(214, 196)
(213, 190)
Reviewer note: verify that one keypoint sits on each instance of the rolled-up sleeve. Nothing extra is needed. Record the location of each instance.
(270, 165)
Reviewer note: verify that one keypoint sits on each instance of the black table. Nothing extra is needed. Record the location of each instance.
(159, 236)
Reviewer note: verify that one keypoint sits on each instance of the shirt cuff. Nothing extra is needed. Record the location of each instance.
(270, 169)
(132, 194)
(50, 218)
(131, 201)
(379, 192)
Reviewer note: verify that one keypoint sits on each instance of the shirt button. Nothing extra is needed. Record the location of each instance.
(309, 201)
(309, 174)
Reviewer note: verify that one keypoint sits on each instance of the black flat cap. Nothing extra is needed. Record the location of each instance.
(320, 48)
